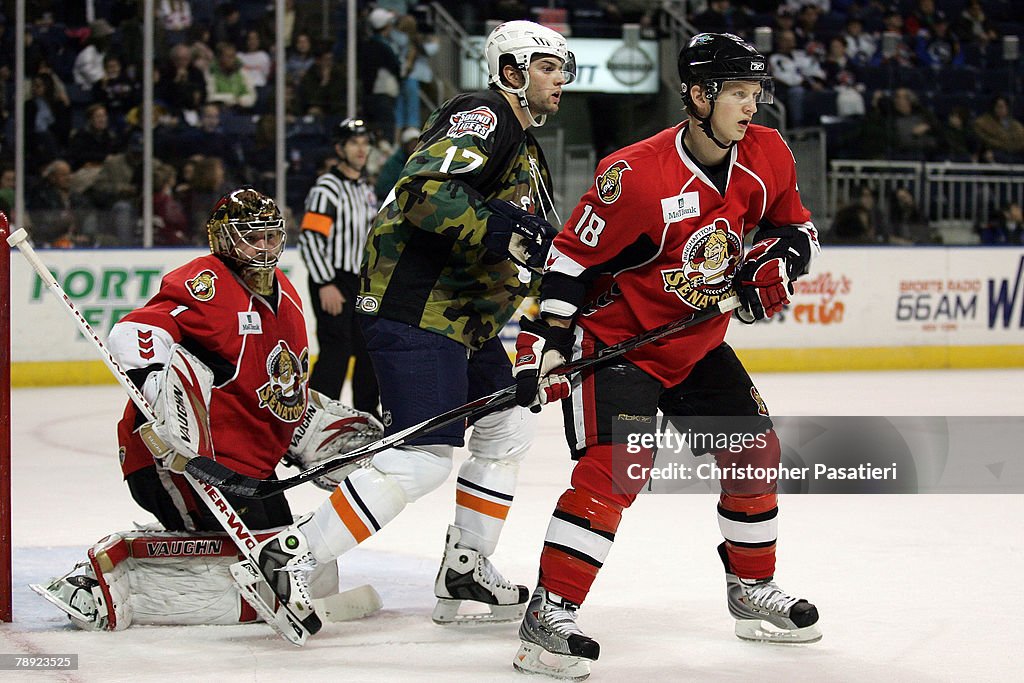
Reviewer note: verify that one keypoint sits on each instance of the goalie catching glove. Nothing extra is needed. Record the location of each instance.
(541, 348)
(328, 429)
(179, 395)
(517, 234)
(765, 278)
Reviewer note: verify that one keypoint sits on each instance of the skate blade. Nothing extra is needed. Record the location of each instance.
(355, 603)
(765, 632)
(283, 620)
(81, 620)
(533, 659)
(447, 613)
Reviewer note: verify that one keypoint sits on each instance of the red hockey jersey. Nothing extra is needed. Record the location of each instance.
(671, 241)
(259, 357)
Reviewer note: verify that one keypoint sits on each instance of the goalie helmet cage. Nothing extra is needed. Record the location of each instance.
(5, 425)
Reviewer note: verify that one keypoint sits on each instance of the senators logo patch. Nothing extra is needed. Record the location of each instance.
(480, 122)
(762, 409)
(609, 183)
(201, 287)
(709, 260)
(285, 391)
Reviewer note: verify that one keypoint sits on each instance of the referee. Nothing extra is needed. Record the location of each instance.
(340, 209)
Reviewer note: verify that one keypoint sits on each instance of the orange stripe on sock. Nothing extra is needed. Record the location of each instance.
(484, 507)
(349, 517)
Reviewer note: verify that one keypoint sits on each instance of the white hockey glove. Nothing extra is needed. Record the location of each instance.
(541, 348)
(328, 429)
(180, 429)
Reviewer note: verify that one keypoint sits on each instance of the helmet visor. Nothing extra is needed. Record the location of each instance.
(762, 93)
(569, 68)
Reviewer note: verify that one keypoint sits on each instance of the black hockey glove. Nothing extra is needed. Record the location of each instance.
(541, 348)
(517, 234)
(764, 280)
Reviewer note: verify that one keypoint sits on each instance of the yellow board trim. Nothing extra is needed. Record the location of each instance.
(834, 359)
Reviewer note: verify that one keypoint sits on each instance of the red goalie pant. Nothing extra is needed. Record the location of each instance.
(605, 482)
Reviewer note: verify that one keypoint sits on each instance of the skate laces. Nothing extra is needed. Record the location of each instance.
(492, 576)
(300, 569)
(561, 619)
(768, 595)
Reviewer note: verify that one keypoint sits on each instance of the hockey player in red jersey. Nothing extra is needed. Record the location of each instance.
(661, 234)
(234, 322)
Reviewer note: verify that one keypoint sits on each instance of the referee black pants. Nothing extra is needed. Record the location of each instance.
(340, 338)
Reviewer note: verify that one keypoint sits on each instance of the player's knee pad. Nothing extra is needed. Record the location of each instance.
(611, 473)
(765, 454)
(418, 470)
(505, 435)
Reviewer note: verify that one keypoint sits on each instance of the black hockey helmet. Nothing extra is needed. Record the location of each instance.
(710, 59)
(350, 128)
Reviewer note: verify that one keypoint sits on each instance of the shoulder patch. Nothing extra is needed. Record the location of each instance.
(202, 287)
(609, 183)
(480, 122)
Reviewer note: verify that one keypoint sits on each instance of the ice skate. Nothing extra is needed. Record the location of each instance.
(764, 612)
(285, 563)
(466, 576)
(79, 596)
(552, 644)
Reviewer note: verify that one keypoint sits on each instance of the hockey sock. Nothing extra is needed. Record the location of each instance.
(582, 527)
(748, 512)
(483, 494)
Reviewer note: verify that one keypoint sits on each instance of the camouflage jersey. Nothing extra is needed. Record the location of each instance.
(424, 263)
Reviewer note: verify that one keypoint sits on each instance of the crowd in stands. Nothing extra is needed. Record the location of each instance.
(887, 79)
(214, 125)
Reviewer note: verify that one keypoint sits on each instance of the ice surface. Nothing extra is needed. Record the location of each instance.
(910, 588)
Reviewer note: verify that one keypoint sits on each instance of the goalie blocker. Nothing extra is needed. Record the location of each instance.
(178, 578)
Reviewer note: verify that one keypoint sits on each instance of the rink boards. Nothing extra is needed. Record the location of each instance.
(861, 308)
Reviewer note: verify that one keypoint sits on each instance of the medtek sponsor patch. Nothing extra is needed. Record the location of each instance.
(201, 287)
(609, 183)
(480, 122)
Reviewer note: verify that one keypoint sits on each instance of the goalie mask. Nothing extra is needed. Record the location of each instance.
(711, 59)
(247, 233)
(519, 42)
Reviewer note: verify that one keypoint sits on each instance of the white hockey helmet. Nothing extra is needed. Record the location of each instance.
(522, 40)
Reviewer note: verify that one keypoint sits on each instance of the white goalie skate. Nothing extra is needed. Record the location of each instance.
(77, 596)
(285, 563)
(766, 613)
(466, 576)
(552, 643)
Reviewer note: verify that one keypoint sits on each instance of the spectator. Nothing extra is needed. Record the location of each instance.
(88, 66)
(300, 58)
(322, 89)
(1006, 227)
(227, 28)
(170, 223)
(860, 221)
(56, 210)
(115, 191)
(720, 17)
(209, 183)
(974, 26)
(182, 86)
(939, 46)
(90, 145)
(175, 19)
(256, 62)
(227, 83)
(915, 130)
(860, 46)
(116, 91)
(999, 131)
(923, 17)
(209, 139)
(907, 222)
(380, 74)
(392, 168)
(795, 72)
(47, 121)
(7, 185)
(806, 31)
(405, 41)
(959, 141)
(841, 76)
(893, 47)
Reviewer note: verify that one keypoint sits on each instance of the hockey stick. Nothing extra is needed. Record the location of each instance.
(288, 624)
(215, 473)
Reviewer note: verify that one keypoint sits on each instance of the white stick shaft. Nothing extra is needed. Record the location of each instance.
(19, 239)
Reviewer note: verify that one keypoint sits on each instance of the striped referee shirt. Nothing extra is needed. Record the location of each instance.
(339, 213)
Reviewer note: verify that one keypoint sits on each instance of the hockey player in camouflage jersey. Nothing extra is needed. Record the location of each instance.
(453, 252)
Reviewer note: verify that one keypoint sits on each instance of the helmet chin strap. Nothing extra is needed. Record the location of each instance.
(705, 125)
(520, 94)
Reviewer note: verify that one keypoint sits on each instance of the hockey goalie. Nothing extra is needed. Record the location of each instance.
(220, 354)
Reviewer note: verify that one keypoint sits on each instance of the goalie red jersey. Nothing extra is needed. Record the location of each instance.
(256, 348)
(671, 240)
